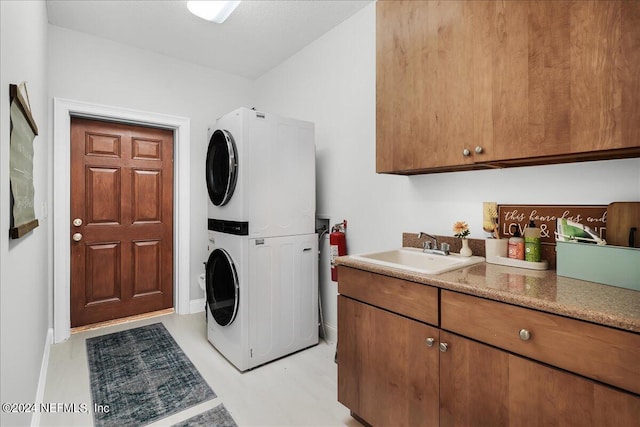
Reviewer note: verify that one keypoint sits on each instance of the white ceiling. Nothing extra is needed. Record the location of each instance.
(259, 35)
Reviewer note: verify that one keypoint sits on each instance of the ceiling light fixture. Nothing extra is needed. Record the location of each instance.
(216, 11)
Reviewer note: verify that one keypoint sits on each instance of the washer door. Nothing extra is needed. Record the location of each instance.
(222, 287)
(221, 167)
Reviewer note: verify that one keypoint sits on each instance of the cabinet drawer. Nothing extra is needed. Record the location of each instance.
(410, 299)
(599, 352)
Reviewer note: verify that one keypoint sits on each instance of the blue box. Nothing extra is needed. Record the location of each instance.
(606, 264)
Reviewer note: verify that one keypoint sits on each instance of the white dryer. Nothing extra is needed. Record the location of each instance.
(260, 174)
(262, 296)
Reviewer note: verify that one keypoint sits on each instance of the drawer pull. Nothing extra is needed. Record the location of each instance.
(525, 335)
(443, 347)
(430, 342)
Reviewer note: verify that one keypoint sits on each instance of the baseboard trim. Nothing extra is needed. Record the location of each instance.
(42, 379)
(332, 334)
(197, 305)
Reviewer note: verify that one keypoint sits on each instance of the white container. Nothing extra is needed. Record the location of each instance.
(496, 252)
(494, 248)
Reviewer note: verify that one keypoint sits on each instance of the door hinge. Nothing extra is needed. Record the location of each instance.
(251, 352)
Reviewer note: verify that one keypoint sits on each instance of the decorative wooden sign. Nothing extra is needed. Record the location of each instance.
(512, 217)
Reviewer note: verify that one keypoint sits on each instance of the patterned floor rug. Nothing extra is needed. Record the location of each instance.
(141, 375)
(216, 417)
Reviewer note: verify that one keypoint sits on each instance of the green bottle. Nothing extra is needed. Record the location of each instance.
(532, 247)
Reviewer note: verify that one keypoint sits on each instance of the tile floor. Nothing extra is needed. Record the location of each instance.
(298, 390)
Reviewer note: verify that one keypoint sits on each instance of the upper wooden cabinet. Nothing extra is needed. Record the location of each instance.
(473, 84)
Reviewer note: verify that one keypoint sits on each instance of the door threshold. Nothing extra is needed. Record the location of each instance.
(122, 320)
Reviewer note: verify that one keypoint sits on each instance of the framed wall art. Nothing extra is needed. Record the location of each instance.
(23, 131)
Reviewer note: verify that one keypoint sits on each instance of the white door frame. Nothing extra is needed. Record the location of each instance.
(63, 109)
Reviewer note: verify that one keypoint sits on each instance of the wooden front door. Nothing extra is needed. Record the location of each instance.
(121, 220)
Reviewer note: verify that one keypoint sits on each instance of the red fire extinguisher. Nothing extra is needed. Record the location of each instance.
(338, 246)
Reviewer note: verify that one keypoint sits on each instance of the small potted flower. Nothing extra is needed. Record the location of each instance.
(461, 231)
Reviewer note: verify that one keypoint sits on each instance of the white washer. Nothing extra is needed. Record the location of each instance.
(262, 296)
(260, 174)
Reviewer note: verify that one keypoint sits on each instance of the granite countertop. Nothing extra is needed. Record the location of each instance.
(540, 290)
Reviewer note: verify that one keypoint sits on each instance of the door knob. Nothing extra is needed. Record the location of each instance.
(77, 237)
(77, 222)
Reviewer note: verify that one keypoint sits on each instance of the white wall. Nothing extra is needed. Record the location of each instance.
(332, 83)
(25, 269)
(96, 70)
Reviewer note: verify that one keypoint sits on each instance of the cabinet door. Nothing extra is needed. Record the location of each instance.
(605, 78)
(425, 102)
(481, 385)
(517, 65)
(565, 78)
(474, 381)
(453, 87)
(387, 375)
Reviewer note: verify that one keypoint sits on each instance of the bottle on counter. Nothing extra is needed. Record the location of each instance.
(532, 248)
(516, 245)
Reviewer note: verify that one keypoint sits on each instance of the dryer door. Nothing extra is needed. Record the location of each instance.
(222, 287)
(221, 167)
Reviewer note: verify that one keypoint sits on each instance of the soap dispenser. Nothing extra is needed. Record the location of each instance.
(532, 249)
(516, 245)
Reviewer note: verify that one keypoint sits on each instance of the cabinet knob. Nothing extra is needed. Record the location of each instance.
(430, 342)
(478, 149)
(525, 335)
(466, 152)
(443, 347)
(77, 237)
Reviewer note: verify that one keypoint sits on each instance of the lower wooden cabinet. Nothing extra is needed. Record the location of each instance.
(387, 373)
(483, 386)
(607, 355)
(472, 379)
(396, 371)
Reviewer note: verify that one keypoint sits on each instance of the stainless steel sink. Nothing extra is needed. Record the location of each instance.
(413, 259)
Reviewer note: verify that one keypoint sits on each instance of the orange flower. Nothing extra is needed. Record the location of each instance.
(461, 229)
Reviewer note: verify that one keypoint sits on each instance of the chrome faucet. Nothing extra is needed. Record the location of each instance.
(435, 239)
(432, 247)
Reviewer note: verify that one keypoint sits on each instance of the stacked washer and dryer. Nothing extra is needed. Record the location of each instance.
(262, 271)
